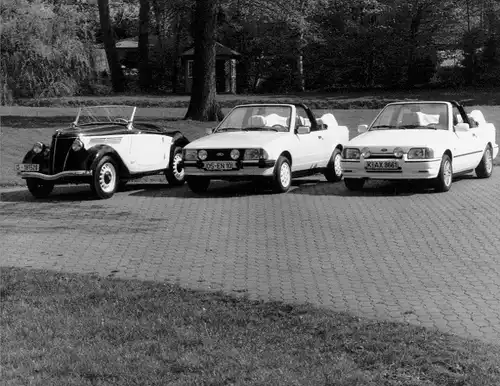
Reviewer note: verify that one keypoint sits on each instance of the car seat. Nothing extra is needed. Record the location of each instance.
(410, 119)
(257, 121)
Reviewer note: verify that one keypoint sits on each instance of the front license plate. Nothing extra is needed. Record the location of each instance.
(27, 167)
(382, 165)
(218, 165)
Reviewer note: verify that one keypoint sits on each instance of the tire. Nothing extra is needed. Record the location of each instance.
(282, 179)
(485, 167)
(39, 188)
(105, 180)
(445, 177)
(175, 173)
(354, 184)
(333, 172)
(198, 184)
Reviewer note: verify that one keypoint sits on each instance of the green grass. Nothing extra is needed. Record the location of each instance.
(68, 329)
(338, 100)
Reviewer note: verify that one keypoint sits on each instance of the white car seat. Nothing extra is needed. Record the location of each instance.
(257, 121)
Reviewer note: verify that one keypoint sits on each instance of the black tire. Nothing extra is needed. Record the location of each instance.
(354, 184)
(105, 180)
(198, 184)
(443, 181)
(175, 173)
(485, 167)
(333, 172)
(282, 179)
(39, 188)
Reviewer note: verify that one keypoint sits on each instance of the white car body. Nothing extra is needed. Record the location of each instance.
(309, 149)
(449, 130)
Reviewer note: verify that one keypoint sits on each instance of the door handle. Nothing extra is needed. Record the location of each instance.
(320, 137)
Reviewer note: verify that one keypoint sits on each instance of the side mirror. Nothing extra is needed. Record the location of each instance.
(362, 128)
(209, 131)
(303, 130)
(462, 127)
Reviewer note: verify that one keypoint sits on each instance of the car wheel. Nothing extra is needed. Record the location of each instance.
(198, 184)
(445, 177)
(282, 175)
(105, 178)
(39, 188)
(333, 172)
(354, 183)
(485, 167)
(175, 173)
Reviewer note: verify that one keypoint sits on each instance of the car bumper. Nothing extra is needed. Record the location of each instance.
(244, 169)
(408, 170)
(495, 151)
(58, 176)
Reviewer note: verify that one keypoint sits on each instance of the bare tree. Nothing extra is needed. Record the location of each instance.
(144, 67)
(117, 77)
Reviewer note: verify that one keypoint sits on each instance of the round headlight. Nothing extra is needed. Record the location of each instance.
(365, 152)
(398, 152)
(202, 154)
(235, 154)
(37, 147)
(77, 145)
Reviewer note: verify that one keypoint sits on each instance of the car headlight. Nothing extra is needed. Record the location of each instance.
(398, 152)
(252, 154)
(190, 154)
(202, 154)
(365, 152)
(46, 152)
(420, 153)
(351, 153)
(235, 154)
(77, 145)
(38, 148)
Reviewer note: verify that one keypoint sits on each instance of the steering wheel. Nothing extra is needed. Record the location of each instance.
(279, 127)
(121, 120)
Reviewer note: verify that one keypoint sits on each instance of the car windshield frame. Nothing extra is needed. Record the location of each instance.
(273, 114)
(117, 114)
(413, 115)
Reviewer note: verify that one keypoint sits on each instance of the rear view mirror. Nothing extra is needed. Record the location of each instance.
(362, 128)
(462, 127)
(303, 130)
(209, 131)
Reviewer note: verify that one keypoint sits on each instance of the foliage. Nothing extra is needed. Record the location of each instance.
(42, 54)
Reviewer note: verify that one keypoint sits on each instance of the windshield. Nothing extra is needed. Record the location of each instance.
(101, 114)
(412, 116)
(261, 117)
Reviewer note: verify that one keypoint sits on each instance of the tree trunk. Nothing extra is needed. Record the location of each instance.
(117, 77)
(177, 49)
(159, 12)
(144, 67)
(203, 106)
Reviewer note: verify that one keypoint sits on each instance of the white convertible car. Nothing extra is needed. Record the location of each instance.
(272, 142)
(421, 140)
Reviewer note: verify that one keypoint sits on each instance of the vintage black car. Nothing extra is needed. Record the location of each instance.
(104, 147)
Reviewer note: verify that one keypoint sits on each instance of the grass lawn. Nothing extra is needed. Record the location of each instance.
(335, 100)
(68, 329)
(18, 134)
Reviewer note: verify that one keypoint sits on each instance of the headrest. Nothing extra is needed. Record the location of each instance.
(257, 121)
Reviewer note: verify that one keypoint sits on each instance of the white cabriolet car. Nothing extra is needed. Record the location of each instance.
(272, 142)
(421, 140)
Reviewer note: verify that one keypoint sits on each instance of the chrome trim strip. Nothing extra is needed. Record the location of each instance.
(49, 177)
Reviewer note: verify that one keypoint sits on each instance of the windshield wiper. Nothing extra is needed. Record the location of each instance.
(383, 127)
(259, 128)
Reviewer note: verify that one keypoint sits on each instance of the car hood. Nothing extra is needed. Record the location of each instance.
(400, 138)
(243, 139)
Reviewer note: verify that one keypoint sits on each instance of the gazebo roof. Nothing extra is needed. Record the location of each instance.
(220, 50)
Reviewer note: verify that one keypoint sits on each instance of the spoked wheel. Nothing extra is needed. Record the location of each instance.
(39, 188)
(175, 173)
(333, 172)
(445, 177)
(105, 179)
(485, 167)
(282, 176)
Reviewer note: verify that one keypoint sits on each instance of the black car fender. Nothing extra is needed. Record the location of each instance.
(96, 153)
(178, 140)
(38, 158)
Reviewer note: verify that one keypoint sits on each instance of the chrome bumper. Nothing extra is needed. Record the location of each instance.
(52, 177)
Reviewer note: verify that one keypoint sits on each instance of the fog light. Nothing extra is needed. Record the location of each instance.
(202, 154)
(235, 154)
(365, 153)
(398, 152)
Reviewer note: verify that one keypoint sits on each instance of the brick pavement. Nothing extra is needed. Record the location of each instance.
(390, 252)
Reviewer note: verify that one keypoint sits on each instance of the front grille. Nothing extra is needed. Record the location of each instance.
(61, 146)
(382, 156)
(221, 154)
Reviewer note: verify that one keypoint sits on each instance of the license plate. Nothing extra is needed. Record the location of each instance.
(27, 167)
(382, 165)
(228, 165)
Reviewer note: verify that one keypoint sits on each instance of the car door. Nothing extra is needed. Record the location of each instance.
(148, 152)
(310, 146)
(467, 145)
